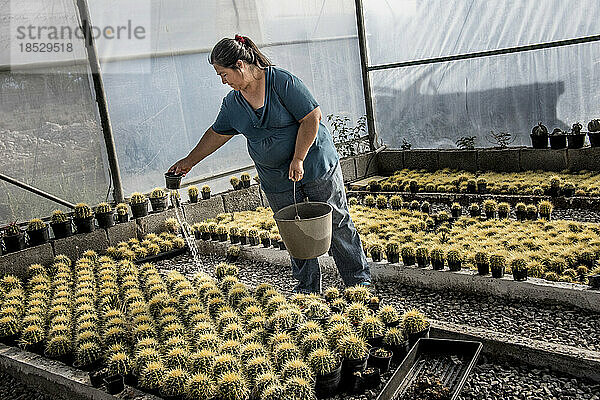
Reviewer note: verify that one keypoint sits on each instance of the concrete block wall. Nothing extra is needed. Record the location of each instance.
(507, 160)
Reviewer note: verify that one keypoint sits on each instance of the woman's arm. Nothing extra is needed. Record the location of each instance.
(207, 145)
(307, 132)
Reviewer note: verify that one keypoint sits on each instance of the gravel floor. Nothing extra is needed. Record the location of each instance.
(11, 389)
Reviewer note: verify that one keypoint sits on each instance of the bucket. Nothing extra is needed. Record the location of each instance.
(309, 236)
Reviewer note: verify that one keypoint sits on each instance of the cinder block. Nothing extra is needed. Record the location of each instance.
(17, 263)
(506, 160)
(153, 223)
(364, 161)
(390, 161)
(242, 200)
(465, 160)
(348, 169)
(580, 159)
(121, 232)
(543, 159)
(203, 209)
(421, 159)
(75, 245)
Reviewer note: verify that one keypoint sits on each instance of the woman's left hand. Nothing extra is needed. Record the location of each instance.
(296, 169)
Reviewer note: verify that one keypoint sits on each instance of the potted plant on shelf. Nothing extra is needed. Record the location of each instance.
(408, 255)
(139, 205)
(472, 186)
(415, 326)
(354, 352)
(554, 189)
(380, 358)
(374, 186)
(594, 278)
(568, 189)
(545, 209)
(205, 192)
(275, 239)
(212, 228)
(235, 183)
(243, 235)
(455, 259)
(532, 212)
(222, 233)
(594, 132)
(456, 210)
(558, 139)
(422, 256)
(375, 252)
(539, 137)
(521, 211)
(14, 238)
(482, 262)
(84, 218)
(37, 231)
(61, 224)
(414, 205)
(392, 252)
(503, 210)
(245, 178)
(253, 237)
(575, 138)
(122, 213)
(193, 193)
(381, 202)
(519, 269)
(234, 234)
(327, 369)
(371, 329)
(497, 265)
(265, 238)
(203, 231)
(396, 202)
(233, 253)
(481, 185)
(437, 258)
(105, 215)
(396, 341)
(369, 201)
(159, 199)
(474, 210)
(489, 207)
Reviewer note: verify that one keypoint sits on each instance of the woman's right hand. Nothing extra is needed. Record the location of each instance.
(182, 166)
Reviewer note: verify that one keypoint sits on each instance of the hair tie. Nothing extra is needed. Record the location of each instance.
(240, 39)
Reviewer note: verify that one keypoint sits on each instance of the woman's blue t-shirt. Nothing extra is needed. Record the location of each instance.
(271, 130)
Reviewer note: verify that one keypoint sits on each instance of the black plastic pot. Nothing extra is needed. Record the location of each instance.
(159, 203)
(114, 384)
(454, 266)
(497, 272)
(234, 239)
(437, 265)
(371, 378)
(413, 337)
(502, 214)
(594, 281)
(373, 306)
(539, 142)
(253, 241)
(231, 258)
(546, 217)
(266, 242)
(349, 367)
(205, 195)
(38, 237)
(139, 209)
(223, 237)
(483, 268)
(130, 379)
(353, 383)
(97, 377)
(408, 261)
(520, 275)
(521, 215)
(399, 351)
(243, 240)
(85, 225)
(575, 141)
(558, 142)
(122, 218)
(281, 245)
(173, 181)
(393, 258)
(62, 229)
(482, 188)
(594, 138)
(205, 235)
(327, 385)
(455, 213)
(532, 216)
(568, 192)
(377, 341)
(490, 214)
(383, 363)
(193, 199)
(376, 257)
(422, 262)
(14, 242)
(105, 220)
(275, 244)
(214, 236)
(245, 184)
(474, 213)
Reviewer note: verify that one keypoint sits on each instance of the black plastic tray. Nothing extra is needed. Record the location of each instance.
(162, 256)
(452, 361)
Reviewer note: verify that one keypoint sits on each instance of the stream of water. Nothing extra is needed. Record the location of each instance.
(186, 229)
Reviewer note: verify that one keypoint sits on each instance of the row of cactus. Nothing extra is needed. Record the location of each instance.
(151, 244)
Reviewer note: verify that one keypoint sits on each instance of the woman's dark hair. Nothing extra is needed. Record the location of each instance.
(228, 51)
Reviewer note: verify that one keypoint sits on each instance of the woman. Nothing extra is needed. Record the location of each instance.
(287, 141)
